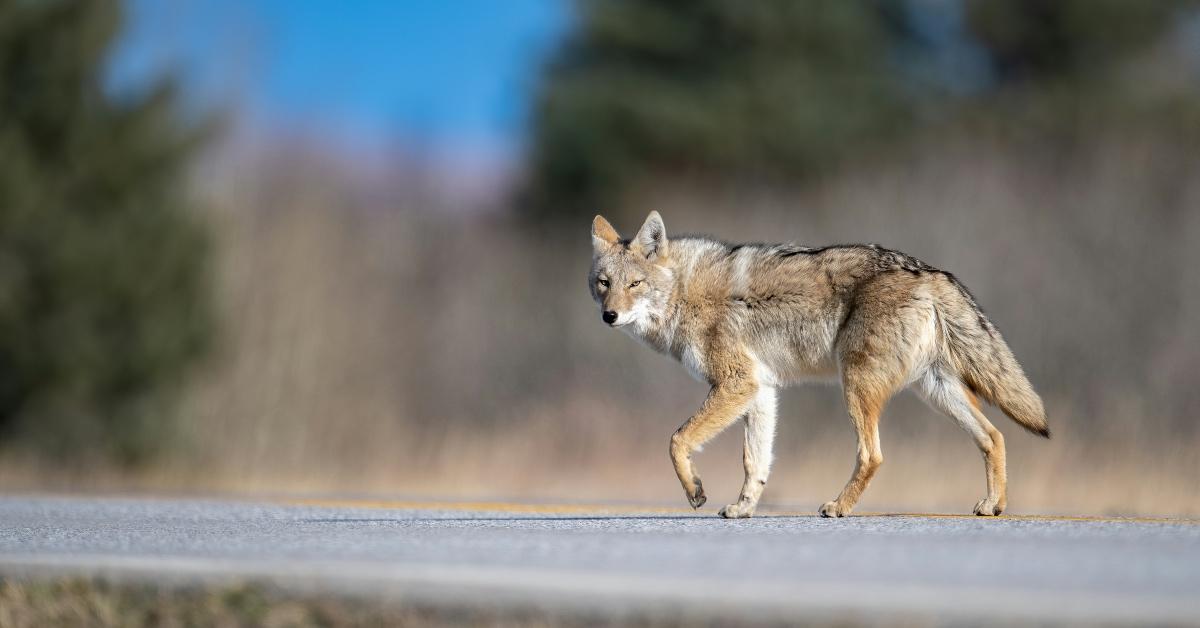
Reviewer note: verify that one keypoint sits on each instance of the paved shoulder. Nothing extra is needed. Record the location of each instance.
(770, 567)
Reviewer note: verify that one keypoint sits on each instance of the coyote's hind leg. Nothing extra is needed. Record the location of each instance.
(865, 398)
(947, 393)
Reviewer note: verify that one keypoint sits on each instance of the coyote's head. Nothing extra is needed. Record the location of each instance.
(631, 280)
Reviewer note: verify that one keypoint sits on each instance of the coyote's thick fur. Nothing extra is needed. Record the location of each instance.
(751, 318)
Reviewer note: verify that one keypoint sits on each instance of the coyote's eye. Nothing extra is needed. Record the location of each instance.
(603, 282)
(636, 283)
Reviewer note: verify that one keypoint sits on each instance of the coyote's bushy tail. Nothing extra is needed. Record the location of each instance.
(985, 362)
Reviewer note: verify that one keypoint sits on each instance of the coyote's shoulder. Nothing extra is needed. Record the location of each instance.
(749, 318)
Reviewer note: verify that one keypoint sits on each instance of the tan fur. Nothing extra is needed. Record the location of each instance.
(749, 319)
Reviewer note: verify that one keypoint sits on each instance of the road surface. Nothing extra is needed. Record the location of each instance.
(888, 567)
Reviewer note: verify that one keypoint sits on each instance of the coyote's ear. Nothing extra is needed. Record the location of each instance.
(603, 234)
(651, 240)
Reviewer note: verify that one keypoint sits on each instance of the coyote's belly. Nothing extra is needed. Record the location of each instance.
(803, 350)
(794, 355)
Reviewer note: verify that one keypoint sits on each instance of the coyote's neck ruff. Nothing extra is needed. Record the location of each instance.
(750, 318)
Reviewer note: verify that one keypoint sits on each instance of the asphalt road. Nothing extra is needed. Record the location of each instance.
(872, 568)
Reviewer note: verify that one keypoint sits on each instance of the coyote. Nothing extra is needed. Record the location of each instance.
(748, 319)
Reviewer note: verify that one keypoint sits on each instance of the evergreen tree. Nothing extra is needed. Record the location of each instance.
(104, 295)
(750, 88)
(1034, 40)
(779, 88)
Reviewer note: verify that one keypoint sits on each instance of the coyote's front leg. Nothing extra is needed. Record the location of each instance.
(727, 401)
(756, 454)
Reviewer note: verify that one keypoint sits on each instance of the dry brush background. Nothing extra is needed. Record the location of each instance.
(405, 315)
(382, 338)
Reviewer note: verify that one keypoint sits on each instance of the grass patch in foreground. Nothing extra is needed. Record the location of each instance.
(97, 602)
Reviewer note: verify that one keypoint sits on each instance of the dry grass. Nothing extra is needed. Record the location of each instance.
(82, 602)
(381, 342)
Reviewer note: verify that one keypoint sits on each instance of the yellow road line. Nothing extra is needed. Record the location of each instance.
(1094, 518)
(490, 506)
(629, 509)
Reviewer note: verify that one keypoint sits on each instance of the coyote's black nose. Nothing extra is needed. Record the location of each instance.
(609, 316)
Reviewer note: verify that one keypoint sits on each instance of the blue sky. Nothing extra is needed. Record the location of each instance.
(452, 72)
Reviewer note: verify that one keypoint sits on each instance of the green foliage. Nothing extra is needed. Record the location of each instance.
(1065, 70)
(1031, 40)
(782, 88)
(104, 296)
(767, 87)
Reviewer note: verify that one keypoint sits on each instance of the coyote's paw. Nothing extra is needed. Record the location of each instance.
(833, 509)
(988, 508)
(736, 511)
(697, 500)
